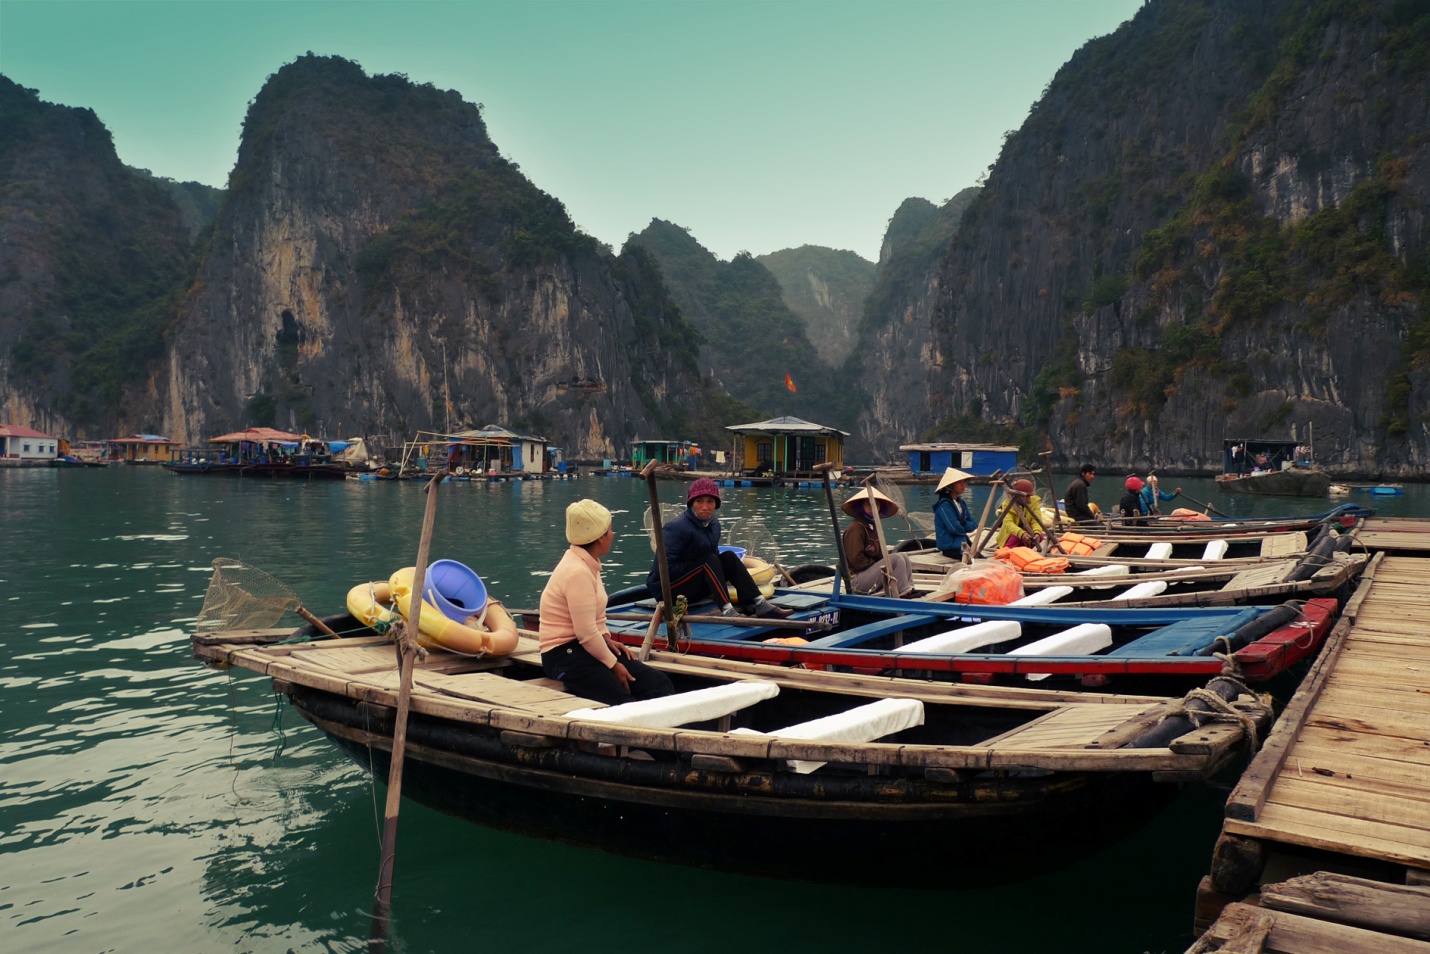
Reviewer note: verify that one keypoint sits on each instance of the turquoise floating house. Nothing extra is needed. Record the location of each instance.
(980, 460)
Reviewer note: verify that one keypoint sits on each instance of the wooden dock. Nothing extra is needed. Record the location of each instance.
(1341, 784)
(1399, 535)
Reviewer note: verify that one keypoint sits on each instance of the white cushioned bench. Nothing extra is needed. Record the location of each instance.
(966, 639)
(861, 724)
(682, 708)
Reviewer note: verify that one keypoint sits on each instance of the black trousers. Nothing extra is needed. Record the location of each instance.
(586, 676)
(708, 581)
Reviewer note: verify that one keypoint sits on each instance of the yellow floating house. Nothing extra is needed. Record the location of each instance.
(785, 447)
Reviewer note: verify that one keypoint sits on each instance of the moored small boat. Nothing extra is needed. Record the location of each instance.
(780, 773)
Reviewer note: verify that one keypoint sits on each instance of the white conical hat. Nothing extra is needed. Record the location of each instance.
(952, 476)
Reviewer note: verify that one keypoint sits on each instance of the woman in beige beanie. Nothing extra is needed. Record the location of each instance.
(576, 644)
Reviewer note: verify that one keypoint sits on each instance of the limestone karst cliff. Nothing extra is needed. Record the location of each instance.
(92, 257)
(1212, 224)
(379, 267)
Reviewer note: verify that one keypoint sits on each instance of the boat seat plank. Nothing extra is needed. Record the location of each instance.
(498, 690)
(968, 638)
(1264, 575)
(682, 708)
(871, 631)
(865, 723)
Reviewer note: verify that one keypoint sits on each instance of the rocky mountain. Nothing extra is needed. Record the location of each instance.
(825, 288)
(753, 346)
(1211, 225)
(895, 335)
(92, 257)
(379, 268)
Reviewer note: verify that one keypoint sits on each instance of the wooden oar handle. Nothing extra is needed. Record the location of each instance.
(318, 624)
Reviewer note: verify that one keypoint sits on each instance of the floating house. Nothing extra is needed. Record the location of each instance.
(980, 460)
(664, 452)
(785, 447)
(140, 449)
(492, 450)
(23, 447)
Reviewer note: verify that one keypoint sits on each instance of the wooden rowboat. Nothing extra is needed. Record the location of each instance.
(783, 773)
(1164, 650)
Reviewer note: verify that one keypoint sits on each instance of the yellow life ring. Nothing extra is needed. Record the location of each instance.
(371, 605)
(760, 571)
(496, 637)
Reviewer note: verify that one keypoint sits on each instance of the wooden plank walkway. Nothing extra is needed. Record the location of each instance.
(1396, 534)
(1341, 783)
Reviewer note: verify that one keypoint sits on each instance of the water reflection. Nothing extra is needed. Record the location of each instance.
(132, 781)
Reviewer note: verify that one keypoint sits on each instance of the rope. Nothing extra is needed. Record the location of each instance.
(1222, 711)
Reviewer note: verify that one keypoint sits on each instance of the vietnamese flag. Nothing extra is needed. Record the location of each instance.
(789, 383)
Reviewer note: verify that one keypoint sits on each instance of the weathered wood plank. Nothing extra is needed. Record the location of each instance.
(1299, 826)
(1393, 812)
(1293, 934)
(1359, 902)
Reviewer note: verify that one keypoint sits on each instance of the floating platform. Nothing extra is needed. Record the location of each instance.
(1340, 785)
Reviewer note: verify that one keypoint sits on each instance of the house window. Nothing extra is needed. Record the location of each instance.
(27, 448)
(764, 450)
(820, 450)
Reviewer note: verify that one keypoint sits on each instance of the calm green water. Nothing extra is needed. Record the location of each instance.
(147, 803)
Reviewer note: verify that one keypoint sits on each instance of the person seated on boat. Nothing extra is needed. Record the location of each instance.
(1130, 506)
(1022, 524)
(1152, 493)
(1075, 500)
(952, 519)
(576, 644)
(698, 568)
(866, 560)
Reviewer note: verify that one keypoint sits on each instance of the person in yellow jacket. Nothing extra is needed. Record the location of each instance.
(1021, 527)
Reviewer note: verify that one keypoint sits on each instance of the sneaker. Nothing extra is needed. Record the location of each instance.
(767, 610)
(729, 610)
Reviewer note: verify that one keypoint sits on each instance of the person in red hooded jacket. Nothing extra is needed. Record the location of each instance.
(698, 568)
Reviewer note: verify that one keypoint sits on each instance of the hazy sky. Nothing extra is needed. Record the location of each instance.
(757, 125)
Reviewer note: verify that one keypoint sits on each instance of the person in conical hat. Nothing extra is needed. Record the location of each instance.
(952, 519)
(866, 561)
(698, 568)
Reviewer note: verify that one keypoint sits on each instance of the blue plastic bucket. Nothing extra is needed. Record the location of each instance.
(738, 551)
(455, 589)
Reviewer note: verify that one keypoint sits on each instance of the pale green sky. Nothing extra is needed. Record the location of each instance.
(758, 126)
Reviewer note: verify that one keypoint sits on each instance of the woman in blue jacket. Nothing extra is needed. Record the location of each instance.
(1152, 493)
(952, 519)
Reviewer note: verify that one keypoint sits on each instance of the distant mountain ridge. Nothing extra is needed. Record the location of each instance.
(825, 287)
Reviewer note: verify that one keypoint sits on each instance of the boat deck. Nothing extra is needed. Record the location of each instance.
(1063, 730)
(1340, 782)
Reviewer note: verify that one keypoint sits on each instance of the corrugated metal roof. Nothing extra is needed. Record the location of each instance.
(15, 430)
(785, 425)
(256, 434)
(953, 447)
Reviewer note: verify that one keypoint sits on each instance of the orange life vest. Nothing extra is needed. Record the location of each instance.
(1078, 544)
(1028, 560)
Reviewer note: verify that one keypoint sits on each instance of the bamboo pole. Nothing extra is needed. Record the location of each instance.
(834, 519)
(657, 525)
(407, 647)
(1052, 491)
(879, 535)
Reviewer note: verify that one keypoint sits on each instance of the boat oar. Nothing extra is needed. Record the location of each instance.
(657, 527)
(1205, 506)
(407, 661)
(824, 469)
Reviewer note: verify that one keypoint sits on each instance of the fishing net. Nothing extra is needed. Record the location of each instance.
(668, 512)
(919, 524)
(242, 597)
(754, 537)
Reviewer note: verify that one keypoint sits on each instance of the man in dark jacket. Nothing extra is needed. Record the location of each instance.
(1075, 497)
(699, 569)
